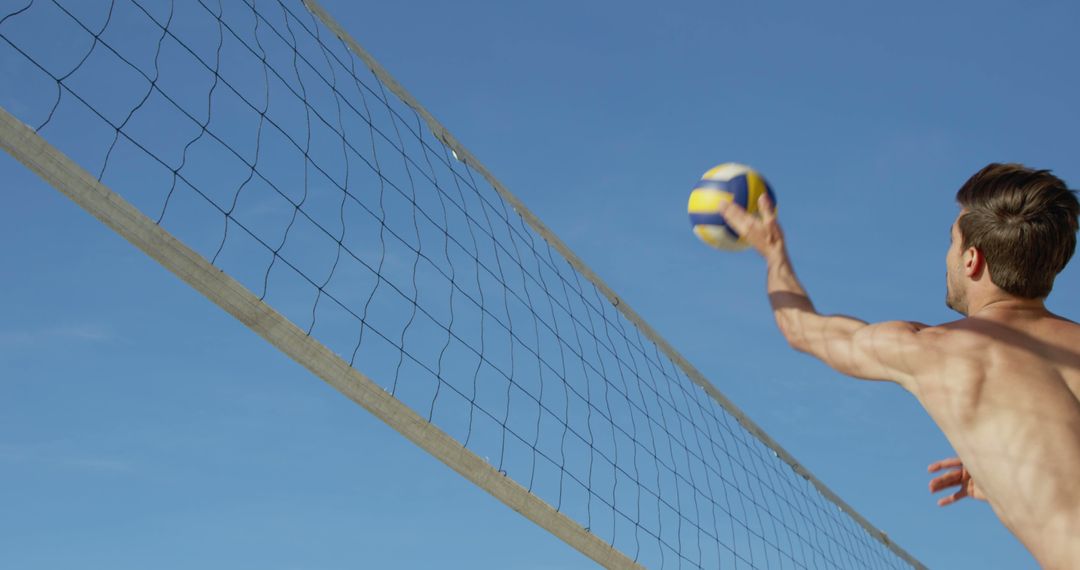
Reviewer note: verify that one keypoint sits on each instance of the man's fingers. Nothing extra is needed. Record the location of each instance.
(946, 501)
(736, 217)
(765, 206)
(944, 464)
(947, 480)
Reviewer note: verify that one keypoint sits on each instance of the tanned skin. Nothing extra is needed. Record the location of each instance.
(1003, 384)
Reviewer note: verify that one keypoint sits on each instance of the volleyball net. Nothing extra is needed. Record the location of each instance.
(258, 152)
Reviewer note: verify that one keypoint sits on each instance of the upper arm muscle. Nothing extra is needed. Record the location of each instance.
(892, 350)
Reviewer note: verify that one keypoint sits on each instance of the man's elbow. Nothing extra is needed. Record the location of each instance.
(793, 325)
(794, 337)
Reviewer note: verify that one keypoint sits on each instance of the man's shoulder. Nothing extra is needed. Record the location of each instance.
(958, 329)
(980, 337)
(981, 326)
(1064, 323)
(952, 361)
(955, 343)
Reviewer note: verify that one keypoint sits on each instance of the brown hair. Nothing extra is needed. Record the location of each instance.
(1023, 221)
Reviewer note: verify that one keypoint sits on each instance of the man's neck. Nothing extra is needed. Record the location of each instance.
(1006, 304)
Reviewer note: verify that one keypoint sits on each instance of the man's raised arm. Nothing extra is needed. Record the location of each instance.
(883, 351)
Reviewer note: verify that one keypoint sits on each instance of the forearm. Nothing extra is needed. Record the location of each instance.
(825, 337)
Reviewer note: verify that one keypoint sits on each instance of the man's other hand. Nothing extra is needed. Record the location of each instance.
(956, 476)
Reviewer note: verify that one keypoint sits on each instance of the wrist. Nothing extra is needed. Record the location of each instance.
(776, 255)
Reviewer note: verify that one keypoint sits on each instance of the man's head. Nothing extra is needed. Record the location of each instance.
(1015, 232)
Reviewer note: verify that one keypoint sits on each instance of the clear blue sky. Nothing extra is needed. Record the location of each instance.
(141, 426)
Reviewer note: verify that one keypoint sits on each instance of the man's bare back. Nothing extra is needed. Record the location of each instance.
(1004, 387)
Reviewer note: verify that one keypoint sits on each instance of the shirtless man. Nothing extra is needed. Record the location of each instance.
(1003, 383)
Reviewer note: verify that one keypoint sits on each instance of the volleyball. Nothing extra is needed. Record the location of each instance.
(728, 182)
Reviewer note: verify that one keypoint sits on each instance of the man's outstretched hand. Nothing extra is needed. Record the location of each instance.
(763, 234)
(956, 476)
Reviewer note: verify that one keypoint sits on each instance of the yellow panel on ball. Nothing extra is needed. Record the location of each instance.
(718, 237)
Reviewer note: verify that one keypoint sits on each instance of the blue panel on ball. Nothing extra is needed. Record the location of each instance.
(739, 187)
(707, 219)
(713, 185)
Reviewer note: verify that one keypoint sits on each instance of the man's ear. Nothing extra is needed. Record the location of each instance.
(974, 263)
